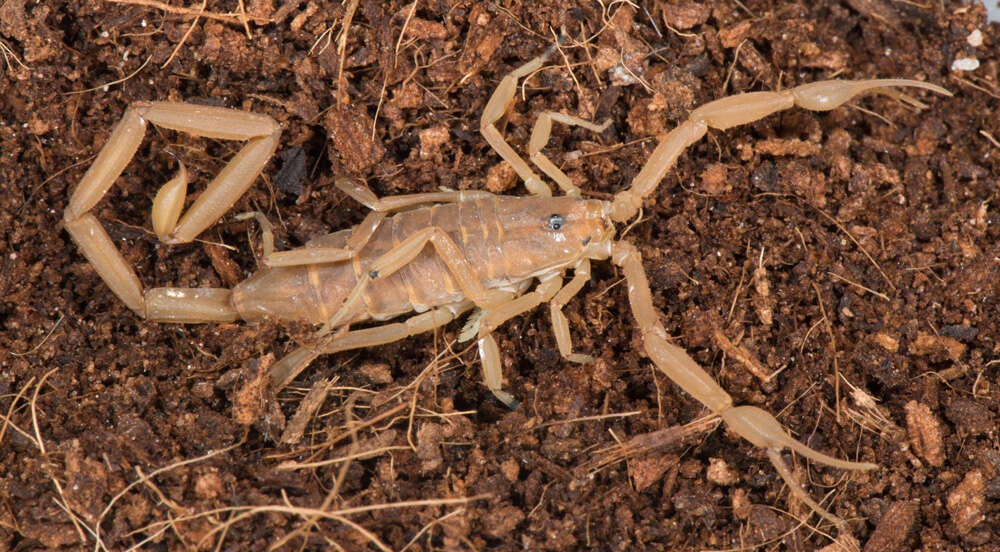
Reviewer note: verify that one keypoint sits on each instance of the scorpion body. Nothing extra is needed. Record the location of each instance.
(440, 254)
(508, 240)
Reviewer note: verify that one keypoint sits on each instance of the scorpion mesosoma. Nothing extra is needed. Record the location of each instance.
(437, 254)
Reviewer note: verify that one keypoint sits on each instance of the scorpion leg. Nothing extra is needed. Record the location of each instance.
(289, 367)
(168, 304)
(498, 103)
(560, 326)
(315, 255)
(548, 290)
(540, 136)
(489, 353)
(501, 99)
(737, 110)
(365, 196)
(750, 422)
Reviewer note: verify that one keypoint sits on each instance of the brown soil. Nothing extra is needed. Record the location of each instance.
(855, 251)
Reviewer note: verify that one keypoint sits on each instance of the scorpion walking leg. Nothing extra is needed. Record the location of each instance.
(173, 304)
(489, 353)
(315, 255)
(501, 99)
(289, 367)
(363, 195)
(540, 136)
(737, 110)
(498, 103)
(560, 326)
(751, 423)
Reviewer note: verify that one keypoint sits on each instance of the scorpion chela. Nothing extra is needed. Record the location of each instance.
(437, 254)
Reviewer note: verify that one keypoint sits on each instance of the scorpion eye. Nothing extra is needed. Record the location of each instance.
(555, 222)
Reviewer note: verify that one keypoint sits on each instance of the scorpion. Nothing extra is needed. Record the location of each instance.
(439, 254)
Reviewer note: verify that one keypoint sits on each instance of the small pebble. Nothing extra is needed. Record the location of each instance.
(720, 473)
(975, 38)
(965, 64)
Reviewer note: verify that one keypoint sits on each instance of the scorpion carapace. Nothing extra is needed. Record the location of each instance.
(441, 253)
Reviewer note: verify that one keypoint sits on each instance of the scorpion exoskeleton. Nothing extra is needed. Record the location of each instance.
(437, 254)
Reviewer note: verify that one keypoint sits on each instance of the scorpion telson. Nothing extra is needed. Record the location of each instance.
(434, 256)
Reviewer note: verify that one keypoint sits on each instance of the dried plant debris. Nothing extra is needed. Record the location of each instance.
(304, 413)
(893, 529)
(925, 433)
(965, 502)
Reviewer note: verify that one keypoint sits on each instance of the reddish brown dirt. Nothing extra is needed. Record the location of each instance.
(855, 249)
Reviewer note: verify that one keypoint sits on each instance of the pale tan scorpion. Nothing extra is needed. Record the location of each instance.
(484, 249)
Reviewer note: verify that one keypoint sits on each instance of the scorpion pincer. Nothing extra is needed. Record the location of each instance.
(438, 255)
